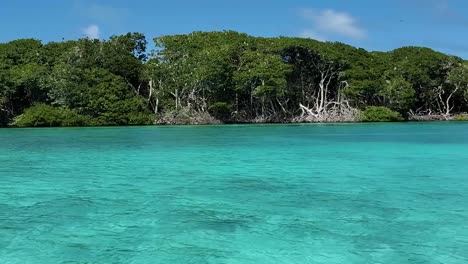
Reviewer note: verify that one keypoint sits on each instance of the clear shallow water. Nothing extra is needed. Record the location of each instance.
(390, 193)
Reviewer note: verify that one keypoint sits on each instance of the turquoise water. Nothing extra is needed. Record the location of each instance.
(365, 193)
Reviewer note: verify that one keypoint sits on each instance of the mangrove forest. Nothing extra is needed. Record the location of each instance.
(223, 77)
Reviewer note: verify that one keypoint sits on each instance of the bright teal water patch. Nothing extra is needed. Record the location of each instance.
(391, 193)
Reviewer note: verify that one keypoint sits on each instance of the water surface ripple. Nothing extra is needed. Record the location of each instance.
(364, 193)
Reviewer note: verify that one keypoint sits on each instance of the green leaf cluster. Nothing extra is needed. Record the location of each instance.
(42, 115)
(380, 114)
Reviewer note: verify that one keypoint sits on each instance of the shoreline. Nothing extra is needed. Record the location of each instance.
(251, 124)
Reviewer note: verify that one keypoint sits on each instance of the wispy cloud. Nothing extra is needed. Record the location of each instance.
(308, 33)
(111, 17)
(443, 5)
(436, 5)
(105, 13)
(328, 22)
(441, 12)
(99, 16)
(92, 31)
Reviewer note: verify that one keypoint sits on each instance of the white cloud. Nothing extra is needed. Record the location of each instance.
(101, 14)
(106, 14)
(92, 31)
(312, 35)
(443, 5)
(442, 12)
(331, 22)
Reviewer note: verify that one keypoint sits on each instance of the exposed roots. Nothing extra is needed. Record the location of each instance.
(332, 112)
(428, 115)
(186, 116)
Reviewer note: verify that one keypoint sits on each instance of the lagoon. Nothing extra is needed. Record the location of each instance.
(350, 193)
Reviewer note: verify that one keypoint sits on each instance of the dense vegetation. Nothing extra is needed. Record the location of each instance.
(209, 77)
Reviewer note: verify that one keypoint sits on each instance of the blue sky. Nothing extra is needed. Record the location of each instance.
(371, 24)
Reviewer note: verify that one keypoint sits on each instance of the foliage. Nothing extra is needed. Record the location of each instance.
(458, 77)
(461, 117)
(398, 94)
(380, 114)
(220, 110)
(42, 115)
(229, 76)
